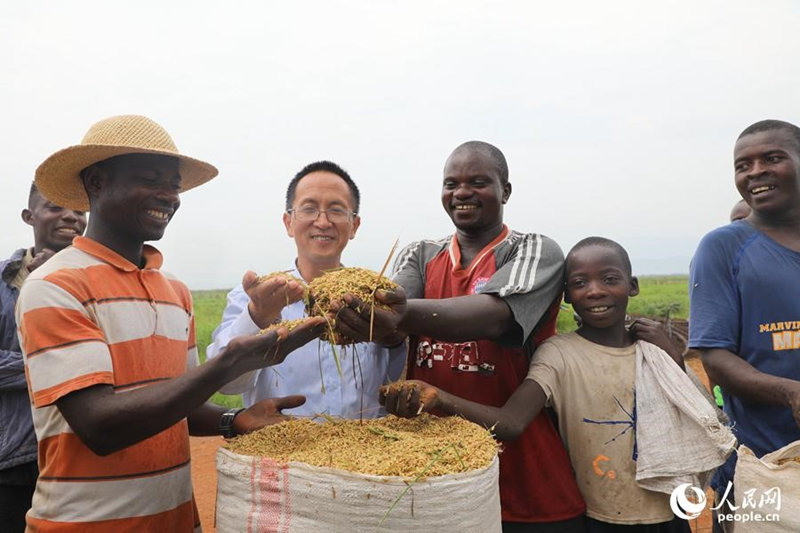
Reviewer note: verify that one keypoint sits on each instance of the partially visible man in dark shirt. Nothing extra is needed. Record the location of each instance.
(53, 229)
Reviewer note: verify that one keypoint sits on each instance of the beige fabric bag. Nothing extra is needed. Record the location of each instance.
(762, 487)
(679, 438)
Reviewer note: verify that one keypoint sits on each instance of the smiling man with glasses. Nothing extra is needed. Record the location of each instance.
(322, 204)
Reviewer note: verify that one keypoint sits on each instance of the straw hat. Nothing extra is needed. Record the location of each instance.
(58, 178)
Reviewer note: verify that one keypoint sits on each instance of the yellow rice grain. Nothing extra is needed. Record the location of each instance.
(334, 284)
(389, 446)
(288, 324)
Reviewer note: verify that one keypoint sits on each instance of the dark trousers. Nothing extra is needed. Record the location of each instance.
(573, 525)
(16, 492)
(674, 526)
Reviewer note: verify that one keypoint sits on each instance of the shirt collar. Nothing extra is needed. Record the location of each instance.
(152, 257)
(455, 251)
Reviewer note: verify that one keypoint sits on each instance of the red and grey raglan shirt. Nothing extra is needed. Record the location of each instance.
(88, 317)
(537, 483)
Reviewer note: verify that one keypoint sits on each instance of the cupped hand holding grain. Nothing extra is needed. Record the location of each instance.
(269, 294)
(360, 322)
(251, 352)
(265, 413)
(409, 398)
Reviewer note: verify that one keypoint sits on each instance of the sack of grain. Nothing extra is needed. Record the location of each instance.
(268, 491)
(768, 486)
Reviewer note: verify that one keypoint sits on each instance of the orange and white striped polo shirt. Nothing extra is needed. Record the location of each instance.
(86, 317)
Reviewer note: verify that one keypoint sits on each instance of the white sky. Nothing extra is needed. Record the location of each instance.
(617, 118)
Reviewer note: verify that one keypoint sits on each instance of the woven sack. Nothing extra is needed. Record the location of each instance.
(256, 494)
(765, 474)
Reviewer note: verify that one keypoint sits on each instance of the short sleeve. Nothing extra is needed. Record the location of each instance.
(547, 365)
(408, 271)
(529, 280)
(192, 355)
(64, 349)
(714, 308)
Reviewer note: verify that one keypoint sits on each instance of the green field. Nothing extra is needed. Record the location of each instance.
(658, 296)
(208, 307)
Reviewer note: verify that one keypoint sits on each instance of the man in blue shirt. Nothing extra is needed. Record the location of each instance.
(322, 204)
(53, 229)
(745, 295)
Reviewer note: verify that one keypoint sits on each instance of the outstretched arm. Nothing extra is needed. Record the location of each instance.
(478, 316)
(511, 304)
(409, 398)
(107, 421)
(249, 307)
(740, 378)
(204, 420)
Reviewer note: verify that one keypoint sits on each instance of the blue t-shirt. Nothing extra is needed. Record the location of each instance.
(744, 291)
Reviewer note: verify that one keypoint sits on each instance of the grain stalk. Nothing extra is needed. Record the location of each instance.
(419, 476)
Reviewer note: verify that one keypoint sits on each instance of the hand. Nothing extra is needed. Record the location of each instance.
(353, 318)
(251, 352)
(265, 413)
(268, 297)
(653, 332)
(409, 398)
(40, 258)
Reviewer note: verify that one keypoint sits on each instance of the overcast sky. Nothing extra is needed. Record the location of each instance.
(617, 118)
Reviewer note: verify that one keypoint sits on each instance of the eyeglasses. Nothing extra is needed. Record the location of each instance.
(335, 215)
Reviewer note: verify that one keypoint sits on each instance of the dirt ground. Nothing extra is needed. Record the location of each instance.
(204, 478)
(204, 472)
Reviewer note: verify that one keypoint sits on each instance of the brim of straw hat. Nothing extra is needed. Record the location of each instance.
(58, 177)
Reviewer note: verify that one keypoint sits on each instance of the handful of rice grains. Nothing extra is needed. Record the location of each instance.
(288, 324)
(334, 284)
(285, 274)
(425, 446)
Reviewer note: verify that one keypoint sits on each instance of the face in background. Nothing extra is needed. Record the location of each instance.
(54, 226)
(133, 197)
(599, 285)
(740, 211)
(767, 172)
(473, 193)
(320, 242)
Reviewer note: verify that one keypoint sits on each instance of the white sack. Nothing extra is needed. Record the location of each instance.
(755, 482)
(256, 494)
(678, 435)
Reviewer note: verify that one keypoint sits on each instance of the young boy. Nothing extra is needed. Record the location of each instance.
(588, 378)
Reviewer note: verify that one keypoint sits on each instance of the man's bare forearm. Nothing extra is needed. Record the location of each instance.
(738, 377)
(507, 422)
(107, 421)
(462, 318)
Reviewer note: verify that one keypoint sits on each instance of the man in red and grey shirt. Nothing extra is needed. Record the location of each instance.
(478, 303)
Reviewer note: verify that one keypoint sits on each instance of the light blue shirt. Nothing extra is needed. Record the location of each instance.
(311, 369)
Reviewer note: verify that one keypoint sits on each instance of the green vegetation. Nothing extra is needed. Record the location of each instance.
(658, 296)
(208, 307)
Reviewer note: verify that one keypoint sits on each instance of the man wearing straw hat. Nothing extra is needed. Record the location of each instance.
(479, 301)
(109, 343)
